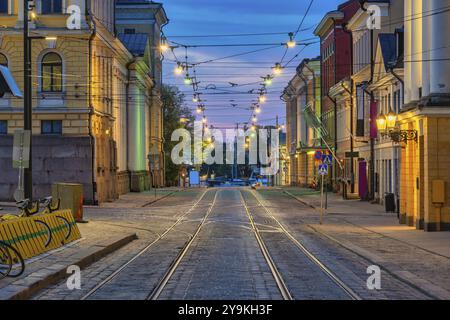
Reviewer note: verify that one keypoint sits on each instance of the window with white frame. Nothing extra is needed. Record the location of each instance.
(51, 71)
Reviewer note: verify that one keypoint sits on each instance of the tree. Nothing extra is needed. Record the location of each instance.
(174, 109)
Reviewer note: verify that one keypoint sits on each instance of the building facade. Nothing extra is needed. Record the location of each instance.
(336, 60)
(425, 164)
(303, 106)
(85, 83)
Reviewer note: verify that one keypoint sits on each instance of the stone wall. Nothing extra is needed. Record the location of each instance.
(55, 159)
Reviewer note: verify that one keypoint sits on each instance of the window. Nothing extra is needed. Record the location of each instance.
(3, 6)
(3, 127)
(3, 60)
(51, 6)
(51, 73)
(51, 127)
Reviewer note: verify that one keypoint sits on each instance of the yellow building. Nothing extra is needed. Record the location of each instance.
(92, 100)
(425, 164)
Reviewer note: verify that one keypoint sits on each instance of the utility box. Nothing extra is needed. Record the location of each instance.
(438, 192)
(71, 197)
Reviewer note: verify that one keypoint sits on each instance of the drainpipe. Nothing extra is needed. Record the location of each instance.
(127, 98)
(305, 81)
(91, 110)
(350, 92)
(335, 141)
(370, 93)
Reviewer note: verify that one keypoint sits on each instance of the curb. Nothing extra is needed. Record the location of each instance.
(25, 288)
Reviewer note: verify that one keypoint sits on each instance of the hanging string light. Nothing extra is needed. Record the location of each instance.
(204, 120)
(291, 43)
(179, 69)
(164, 46)
(195, 98)
(262, 98)
(258, 109)
(255, 119)
(187, 80)
(277, 69)
(268, 80)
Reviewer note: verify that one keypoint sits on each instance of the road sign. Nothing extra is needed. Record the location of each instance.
(327, 159)
(323, 169)
(318, 155)
(21, 149)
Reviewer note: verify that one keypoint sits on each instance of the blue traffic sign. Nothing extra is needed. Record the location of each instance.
(327, 159)
(323, 169)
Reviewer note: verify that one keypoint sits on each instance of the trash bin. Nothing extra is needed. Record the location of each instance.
(71, 196)
(389, 202)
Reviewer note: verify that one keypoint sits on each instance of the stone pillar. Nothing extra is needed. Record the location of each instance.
(426, 39)
(408, 41)
(440, 50)
(416, 55)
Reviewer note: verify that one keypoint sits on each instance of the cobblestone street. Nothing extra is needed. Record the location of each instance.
(241, 244)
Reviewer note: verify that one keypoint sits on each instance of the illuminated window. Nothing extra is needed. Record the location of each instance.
(51, 6)
(3, 60)
(3, 6)
(51, 127)
(51, 73)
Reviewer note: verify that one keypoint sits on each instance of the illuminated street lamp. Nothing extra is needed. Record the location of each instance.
(387, 126)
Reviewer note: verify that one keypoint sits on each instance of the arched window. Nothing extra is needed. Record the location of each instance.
(3, 6)
(51, 73)
(3, 60)
(51, 6)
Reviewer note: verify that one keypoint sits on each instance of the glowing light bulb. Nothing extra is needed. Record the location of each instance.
(268, 80)
(187, 80)
(164, 46)
(262, 98)
(195, 98)
(179, 69)
(199, 110)
(255, 119)
(291, 43)
(204, 120)
(258, 110)
(278, 69)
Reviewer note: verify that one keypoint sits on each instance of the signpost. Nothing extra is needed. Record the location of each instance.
(323, 171)
(21, 159)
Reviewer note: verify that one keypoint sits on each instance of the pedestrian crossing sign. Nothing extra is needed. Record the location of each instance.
(323, 169)
(327, 159)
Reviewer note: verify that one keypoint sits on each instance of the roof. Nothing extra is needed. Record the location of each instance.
(136, 43)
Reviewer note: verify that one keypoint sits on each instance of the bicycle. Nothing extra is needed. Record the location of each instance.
(12, 264)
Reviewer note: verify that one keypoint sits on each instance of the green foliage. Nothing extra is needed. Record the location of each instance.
(174, 109)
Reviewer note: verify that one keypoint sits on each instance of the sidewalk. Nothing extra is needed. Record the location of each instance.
(420, 259)
(98, 241)
(374, 218)
(140, 199)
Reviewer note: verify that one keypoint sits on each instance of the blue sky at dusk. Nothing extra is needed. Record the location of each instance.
(213, 17)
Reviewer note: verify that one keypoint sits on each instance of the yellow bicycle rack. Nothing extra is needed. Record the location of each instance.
(39, 234)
